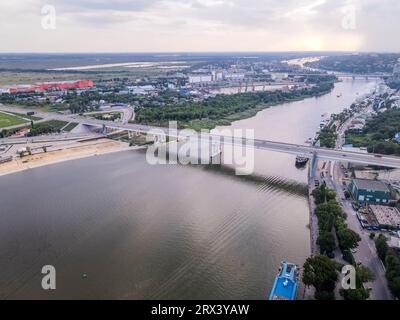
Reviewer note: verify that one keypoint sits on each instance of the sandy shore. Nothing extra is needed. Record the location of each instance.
(64, 153)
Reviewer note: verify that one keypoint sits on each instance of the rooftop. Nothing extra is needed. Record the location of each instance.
(386, 215)
(367, 184)
(284, 289)
(394, 242)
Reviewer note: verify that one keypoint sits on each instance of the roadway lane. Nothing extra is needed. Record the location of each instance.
(303, 150)
(366, 252)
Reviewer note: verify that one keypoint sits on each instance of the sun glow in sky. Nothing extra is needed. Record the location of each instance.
(199, 25)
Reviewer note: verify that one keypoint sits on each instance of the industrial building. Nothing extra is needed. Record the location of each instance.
(234, 76)
(199, 78)
(62, 85)
(373, 191)
(79, 84)
(386, 216)
(140, 90)
(4, 90)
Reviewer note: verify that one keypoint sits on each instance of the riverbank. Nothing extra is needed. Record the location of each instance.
(225, 233)
(223, 110)
(198, 125)
(63, 153)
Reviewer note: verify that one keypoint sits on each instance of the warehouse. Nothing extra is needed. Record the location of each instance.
(373, 191)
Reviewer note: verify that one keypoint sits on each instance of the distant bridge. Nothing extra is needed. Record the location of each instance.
(345, 75)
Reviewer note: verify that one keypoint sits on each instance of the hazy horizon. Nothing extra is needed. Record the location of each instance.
(181, 26)
(200, 52)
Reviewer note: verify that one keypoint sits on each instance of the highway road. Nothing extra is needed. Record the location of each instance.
(303, 150)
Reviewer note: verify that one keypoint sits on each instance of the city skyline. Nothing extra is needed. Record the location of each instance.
(198, 26)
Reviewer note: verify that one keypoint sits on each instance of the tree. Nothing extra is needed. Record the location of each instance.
(355, 294)
(320, 272)
(324, 295)
(348, 239)
(327, 214)
(364, 274)
(381, 246)
(326, 242)
(348, 257)
(323, 194)
(372, 235)
(393, 272)
(394, 286)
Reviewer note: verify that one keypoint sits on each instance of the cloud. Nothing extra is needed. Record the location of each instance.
(207, 25)
(103, 5)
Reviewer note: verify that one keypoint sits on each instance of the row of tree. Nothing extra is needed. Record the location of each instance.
(331, 222)
(328, 137)
(320, 271)
(363, 63)
(391, 259)
(223, 105)
(378, 133)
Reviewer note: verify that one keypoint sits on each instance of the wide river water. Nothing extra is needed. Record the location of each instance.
(116, 227)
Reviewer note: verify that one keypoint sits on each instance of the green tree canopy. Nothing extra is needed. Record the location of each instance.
(323, 194)
(381, 246)
(326, 242)
(348, 239)
(320, 272)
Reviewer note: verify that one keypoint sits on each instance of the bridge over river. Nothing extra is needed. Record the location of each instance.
(311, 152)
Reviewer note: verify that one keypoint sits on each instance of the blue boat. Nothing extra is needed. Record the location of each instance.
(285, 285)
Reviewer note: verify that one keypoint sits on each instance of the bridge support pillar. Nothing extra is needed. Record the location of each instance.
(313, 166)
(216, 153)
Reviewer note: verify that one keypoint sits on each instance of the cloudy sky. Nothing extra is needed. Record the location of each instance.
(198, 25)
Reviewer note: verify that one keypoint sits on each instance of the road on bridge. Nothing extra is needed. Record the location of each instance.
(303, 150)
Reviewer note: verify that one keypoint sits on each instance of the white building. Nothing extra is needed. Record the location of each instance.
(199, 78)
(171, 86)
(4, 90)
(278, 76)
(217, 75)
(141, 90)
(234, 76)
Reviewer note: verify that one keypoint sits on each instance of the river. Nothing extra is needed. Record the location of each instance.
(115, 227)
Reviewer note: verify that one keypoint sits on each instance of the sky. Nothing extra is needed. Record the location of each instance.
(199, 25)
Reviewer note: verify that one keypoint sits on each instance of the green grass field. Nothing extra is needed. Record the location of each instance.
(34, 118)
(70, 126)
(7, 120)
